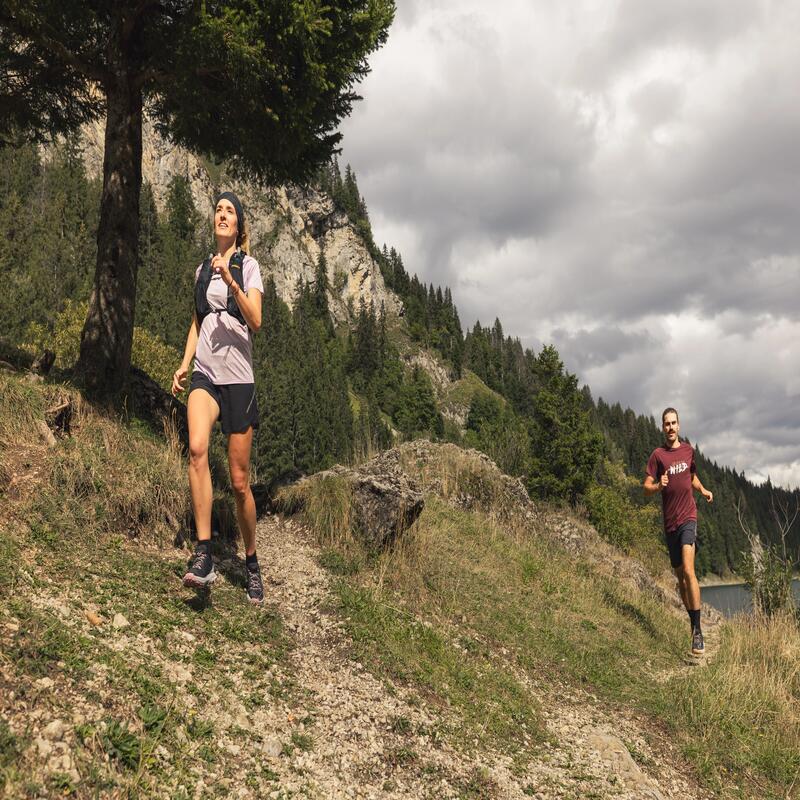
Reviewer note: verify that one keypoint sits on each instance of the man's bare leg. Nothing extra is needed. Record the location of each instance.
(691, 590)
(690, 593)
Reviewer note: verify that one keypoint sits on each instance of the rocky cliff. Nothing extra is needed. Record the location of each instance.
(290, 226)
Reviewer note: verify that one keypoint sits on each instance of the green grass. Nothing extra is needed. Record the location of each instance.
(10, 745)
(96, 510)
(302, 741)
(497, 709)
(462, 392)
(462, 589)
(43, 645)
(121, 744)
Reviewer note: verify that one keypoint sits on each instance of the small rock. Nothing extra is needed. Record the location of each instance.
(178, 673)
(612, 750)
(45, 434)
(272, 747)
(186, 636)
(45, 683)
(43, 746)
(120, 622)
(55, 731)
(243, 721)
(61, 763)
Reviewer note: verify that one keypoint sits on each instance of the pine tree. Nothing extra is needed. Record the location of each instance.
(320, 298)
(283, 72)
(564, 447)
(417, 412)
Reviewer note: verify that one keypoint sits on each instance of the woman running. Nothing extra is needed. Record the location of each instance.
(227, 310)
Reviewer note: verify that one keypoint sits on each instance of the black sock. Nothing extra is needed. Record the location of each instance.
(204, 546)
(251, 561)
(694, 616)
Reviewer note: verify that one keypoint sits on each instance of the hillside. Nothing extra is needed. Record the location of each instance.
(355, 351)
(500, 649)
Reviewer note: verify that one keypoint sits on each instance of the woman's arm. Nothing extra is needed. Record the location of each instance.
(249, 304)
(188, 355)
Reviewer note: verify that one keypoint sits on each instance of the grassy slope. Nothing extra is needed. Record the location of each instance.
(479, 613)
(474, 607)
(67, 562)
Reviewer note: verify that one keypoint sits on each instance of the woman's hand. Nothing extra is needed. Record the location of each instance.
(219, 264)
(177, 380)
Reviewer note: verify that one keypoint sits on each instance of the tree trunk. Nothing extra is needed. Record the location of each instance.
(108, 332)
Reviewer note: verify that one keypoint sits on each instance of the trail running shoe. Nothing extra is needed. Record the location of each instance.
(698, 646)
(255, 586)
(201, 572)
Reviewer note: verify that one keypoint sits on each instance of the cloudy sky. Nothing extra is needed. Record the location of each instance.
(620, 178)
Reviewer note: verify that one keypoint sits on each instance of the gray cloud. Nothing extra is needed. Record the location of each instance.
(596, 348)
(637, 29)
(621, 181)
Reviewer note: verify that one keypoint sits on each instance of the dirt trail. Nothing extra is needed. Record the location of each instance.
(359, 752)
(314, 724)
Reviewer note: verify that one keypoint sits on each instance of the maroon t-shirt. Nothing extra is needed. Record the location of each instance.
(677, 497)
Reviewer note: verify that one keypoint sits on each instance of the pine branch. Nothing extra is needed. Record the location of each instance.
(41, 34)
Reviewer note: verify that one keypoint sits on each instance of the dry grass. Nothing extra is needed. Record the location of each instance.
(102, 477)
(743, 711)
(467, 477)
(326, 502)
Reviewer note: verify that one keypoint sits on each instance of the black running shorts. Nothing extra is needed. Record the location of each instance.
(685, 533)
(238, 409)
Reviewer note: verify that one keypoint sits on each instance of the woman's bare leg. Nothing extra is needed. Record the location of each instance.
(202, 413)
(239, 446)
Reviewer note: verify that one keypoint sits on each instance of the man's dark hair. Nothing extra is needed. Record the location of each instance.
(669, 410)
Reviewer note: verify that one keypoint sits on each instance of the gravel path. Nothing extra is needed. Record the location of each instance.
(314, 724)
(359, 741)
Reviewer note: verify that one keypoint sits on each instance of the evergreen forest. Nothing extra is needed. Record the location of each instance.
(329, 394)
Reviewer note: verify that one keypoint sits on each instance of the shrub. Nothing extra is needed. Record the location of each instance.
(149, 352)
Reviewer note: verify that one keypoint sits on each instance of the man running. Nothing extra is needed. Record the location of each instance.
(671, 471)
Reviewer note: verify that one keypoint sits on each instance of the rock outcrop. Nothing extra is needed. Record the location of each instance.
(384, 500)
(290, 226)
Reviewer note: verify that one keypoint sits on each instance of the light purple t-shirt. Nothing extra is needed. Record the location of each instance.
(224, 348)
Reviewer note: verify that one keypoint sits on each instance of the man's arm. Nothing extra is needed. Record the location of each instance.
(697, 486)
(652, 486)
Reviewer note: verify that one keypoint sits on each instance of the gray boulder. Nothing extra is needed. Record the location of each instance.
(384, 501)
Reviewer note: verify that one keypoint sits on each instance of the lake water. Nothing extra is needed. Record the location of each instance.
(735, 598)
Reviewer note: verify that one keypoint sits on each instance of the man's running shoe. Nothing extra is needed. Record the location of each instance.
(255, 586)
(201, 571)
(698, 646)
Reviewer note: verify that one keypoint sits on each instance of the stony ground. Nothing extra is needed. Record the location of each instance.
(260, 720)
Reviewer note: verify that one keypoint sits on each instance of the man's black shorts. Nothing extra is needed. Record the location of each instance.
(238, 409)
(685, 533)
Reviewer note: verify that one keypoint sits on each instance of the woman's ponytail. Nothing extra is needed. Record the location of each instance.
(243, 239)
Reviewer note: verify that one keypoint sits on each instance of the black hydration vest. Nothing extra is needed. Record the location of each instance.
(201, 304)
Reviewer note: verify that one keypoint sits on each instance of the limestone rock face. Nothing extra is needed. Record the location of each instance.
(438, 373)
(289, 226)
(161, 161)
